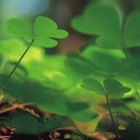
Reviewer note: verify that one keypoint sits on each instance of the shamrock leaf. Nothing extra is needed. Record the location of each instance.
(93, 85)
(103, 20)
(45, 30)
(44, 34)
(114, 88)
(20, 28)
(132, 30)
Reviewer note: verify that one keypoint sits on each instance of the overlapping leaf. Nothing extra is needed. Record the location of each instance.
(102, 20)
(114, 88)
(111, 87)
(92, 85)
(45, 31)
(105, 21)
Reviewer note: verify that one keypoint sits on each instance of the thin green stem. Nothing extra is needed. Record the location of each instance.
(137, 94)
(111, 115)
(17, 64)
(126, 53)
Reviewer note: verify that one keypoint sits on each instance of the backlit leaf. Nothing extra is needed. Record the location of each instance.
(45, 42)
(59, 33)
(114, 88)
(77, 106)
(84, 116)
(45, 31)
(92, 85)
(102, 20)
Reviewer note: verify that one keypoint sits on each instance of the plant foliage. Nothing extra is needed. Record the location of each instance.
(62, 85)
(44, 33)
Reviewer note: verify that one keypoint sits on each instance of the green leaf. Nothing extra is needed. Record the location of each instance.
(93, 85)
(18, 120)
(53, 123)
(106, 61)
(45, 42)
(102, 20)
(79, 66)
(77, 106)
(20, 28)
(45, 31)
(45, 98)
(59, 33)
(132, 30)
(43, 25)
(84, 116)
(114, 88)
(6, 97)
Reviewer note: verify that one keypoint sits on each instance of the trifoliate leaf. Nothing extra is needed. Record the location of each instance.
(18, 119)
(93, 85)
(45, 31)
(20, 28)
(58, 34)
(114, 88)
(103, 21)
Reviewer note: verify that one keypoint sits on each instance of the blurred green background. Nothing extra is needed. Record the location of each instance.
(51, 79)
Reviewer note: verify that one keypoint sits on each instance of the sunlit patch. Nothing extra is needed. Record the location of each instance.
(33, 54)
(121, 127)
(14, 48)
(1, 97)
(52, 74)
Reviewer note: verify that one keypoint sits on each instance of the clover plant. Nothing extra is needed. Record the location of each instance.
(104, 21)
(44, 34)
(73, 87)
(111, 89)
